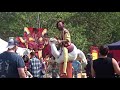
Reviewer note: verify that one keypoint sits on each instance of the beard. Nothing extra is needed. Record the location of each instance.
(60, 28)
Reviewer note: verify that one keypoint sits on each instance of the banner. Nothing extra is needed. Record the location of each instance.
(32, 38)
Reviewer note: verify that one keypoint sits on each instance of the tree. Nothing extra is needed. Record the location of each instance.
(86, 28)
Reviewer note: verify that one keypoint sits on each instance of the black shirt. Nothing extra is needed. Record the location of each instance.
(103, 68)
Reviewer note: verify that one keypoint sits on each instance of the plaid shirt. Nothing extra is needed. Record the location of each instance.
(34, 67)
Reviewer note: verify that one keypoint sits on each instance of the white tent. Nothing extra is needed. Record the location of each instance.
(20, 51)
(3, 45)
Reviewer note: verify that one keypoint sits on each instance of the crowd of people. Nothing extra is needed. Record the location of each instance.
(13, 65)
(29, 65)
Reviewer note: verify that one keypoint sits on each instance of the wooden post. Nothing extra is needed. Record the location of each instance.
(69, 70)
(81, 68)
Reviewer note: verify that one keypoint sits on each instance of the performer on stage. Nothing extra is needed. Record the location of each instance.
(65, 42)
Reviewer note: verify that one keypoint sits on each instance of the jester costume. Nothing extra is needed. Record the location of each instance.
(66, 67)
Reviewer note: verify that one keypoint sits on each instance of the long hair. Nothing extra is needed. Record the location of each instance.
(25, 58)
(59, 22)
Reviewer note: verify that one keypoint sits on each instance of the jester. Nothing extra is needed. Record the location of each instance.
(66, 67)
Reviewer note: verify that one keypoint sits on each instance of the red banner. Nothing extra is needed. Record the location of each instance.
(32, 38)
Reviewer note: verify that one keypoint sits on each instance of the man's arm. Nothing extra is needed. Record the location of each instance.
(21, 73)
(116, 66)
(92, 70)
(20, 67)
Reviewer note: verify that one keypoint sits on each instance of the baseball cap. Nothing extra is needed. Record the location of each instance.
(12, 43)
(89, 54)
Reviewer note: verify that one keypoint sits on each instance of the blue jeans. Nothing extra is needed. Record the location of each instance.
(75, 74)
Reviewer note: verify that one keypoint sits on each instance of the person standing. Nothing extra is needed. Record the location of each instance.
(26, 60)
(28, 74)
(42, 68)
(34, 65)
(88, 66)
(104, 67)
(11, 64)
(55, 70)
(76, 68)
(65, 41)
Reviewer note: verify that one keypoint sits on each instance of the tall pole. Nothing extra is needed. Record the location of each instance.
(39, 26)
(81, 68)
(38, 20)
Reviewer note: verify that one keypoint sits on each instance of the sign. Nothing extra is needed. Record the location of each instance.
(94, 52)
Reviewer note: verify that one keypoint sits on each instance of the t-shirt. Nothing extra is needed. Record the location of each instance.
(9, 64)
(34, 67)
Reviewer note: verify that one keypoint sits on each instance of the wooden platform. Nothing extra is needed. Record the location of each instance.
(83, 75)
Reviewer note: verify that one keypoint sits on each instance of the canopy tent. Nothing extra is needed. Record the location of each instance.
(114, 46)
(3, 45)
(114, 50)
(21, 51)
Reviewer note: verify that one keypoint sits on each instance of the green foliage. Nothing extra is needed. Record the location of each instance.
(86, 28)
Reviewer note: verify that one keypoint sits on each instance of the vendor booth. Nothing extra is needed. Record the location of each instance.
(114, 50)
